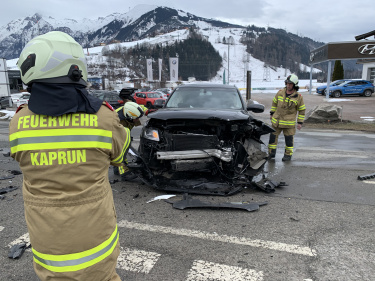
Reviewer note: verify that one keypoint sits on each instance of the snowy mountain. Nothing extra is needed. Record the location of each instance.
(158, 25)
(141, 22)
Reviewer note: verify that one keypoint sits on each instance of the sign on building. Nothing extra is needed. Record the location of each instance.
(4, 79)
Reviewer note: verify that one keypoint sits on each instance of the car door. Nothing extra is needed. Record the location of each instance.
(362, 85)
(349, 88)
(140, 98)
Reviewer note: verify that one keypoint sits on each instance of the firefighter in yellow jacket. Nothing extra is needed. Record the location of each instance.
(64, 141)
(287, 111)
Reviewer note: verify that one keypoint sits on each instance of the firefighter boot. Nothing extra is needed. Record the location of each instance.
(289, 140)
(272, 154)
(287, 157)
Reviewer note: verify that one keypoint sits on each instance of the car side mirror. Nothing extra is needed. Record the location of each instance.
(254, 107)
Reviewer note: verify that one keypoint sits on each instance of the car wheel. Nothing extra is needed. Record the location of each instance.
(149, 104)
(367, 93)
(336, 94)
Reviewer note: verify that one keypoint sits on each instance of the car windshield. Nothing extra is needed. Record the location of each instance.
(338, 83)
(99, 95)
(205, 97)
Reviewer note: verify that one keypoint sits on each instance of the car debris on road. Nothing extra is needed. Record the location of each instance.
(189, 202)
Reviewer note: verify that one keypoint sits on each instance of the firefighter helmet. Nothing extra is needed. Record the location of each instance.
(132, 110)
(54, 57)
(292, 79)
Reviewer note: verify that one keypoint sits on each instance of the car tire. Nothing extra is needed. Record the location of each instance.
(336, 94)
(149, 105)
(367, 93)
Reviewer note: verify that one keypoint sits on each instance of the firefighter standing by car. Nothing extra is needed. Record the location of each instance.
(64, 141)
(287, 106)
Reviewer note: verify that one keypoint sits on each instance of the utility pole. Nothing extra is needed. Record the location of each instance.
(228, 62)
(248, 87)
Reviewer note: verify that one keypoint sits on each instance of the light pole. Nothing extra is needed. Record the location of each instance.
(228, 62)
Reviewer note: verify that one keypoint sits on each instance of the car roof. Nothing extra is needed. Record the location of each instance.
(359, 80)
(207, 85)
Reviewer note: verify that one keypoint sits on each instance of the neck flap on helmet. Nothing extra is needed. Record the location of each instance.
(58, 99)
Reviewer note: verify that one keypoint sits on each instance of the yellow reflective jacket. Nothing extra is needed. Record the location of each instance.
(285, 110)
(68, 200)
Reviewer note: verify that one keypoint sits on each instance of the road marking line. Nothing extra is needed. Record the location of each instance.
(370, 182)
(290, 248)
(137, 260)
(205, 271)
(23, 239)
(2, 228)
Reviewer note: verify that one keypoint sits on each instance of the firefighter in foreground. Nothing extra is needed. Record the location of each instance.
(287, 106)
(64, 141)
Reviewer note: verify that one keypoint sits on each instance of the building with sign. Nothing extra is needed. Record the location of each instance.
(368, 69)
(362, 51)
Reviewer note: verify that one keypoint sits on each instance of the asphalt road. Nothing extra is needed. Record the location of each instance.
(319, 227)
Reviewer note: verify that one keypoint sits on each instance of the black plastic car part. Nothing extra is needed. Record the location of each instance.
(8, 189)
(189, 202)
(366, 177)
(17, 250)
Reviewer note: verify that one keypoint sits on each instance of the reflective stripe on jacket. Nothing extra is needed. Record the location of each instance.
(286, 110)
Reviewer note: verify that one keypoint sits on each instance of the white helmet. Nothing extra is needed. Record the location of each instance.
(292, 79)
(54, 57)
(132, 110)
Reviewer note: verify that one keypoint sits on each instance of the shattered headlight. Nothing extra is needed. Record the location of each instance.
(151, 134)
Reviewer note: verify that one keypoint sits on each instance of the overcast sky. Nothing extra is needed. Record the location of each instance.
(320, 20)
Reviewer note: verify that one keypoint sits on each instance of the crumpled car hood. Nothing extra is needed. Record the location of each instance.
(177, 113)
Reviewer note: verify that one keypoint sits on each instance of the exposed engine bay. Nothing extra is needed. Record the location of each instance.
(208, 154)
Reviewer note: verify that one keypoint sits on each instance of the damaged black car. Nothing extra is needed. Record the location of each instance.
(202, 141)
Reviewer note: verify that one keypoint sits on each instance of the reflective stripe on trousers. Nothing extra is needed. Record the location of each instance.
(77, 261)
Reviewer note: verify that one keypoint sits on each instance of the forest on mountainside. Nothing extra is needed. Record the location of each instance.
(197, 58)
(279, 48)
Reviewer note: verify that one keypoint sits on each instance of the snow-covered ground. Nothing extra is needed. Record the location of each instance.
(8, 114)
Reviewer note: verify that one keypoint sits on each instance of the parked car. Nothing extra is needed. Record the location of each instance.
(4, 102)
(16, 97)
(352, 87)
(165, 90)
(112, 97)
(23, 99)
(162, 94)
(147, 98)
(320, 89)
(203, 140)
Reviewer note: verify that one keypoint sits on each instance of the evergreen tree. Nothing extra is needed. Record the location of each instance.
(338, 71)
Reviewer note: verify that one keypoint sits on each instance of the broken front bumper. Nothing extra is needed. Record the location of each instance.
(195, 154)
